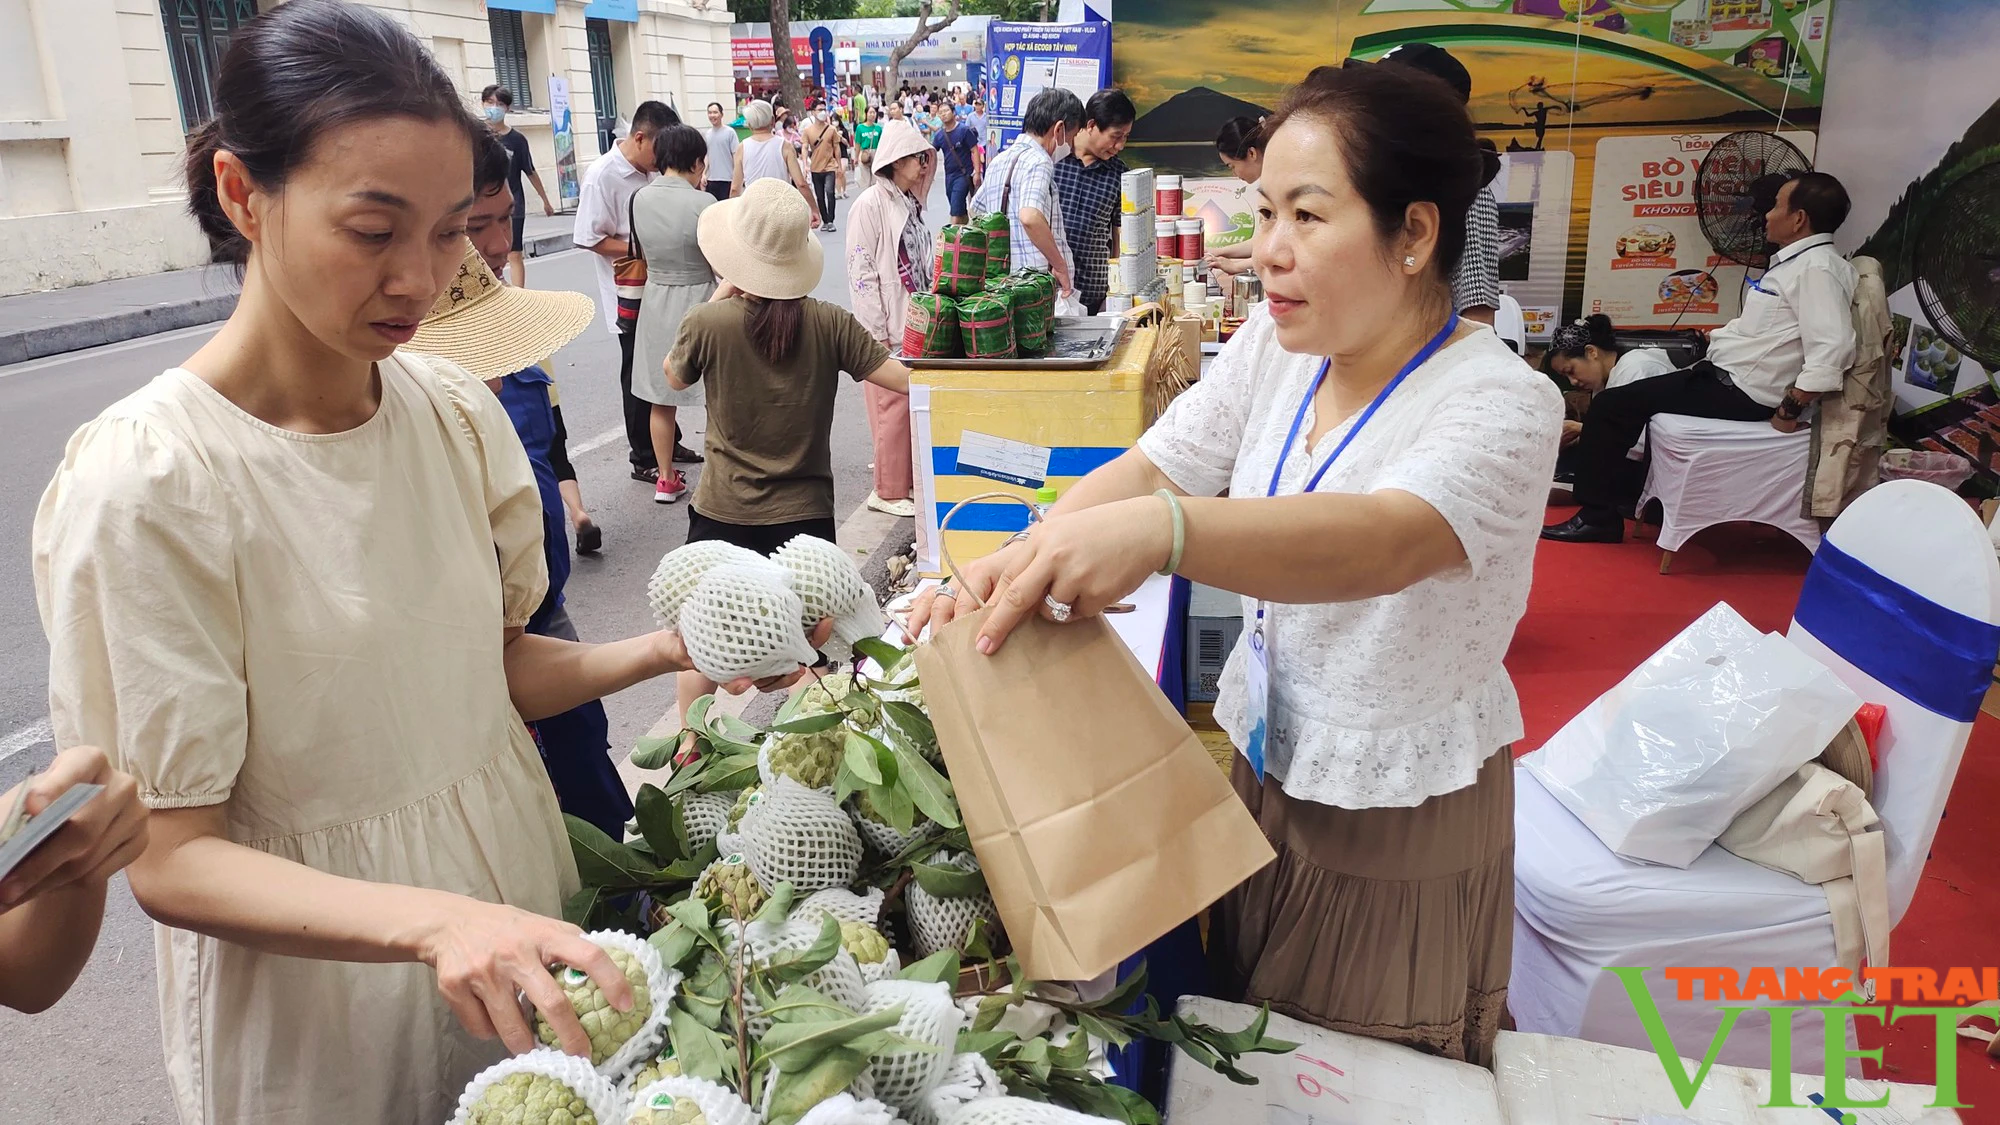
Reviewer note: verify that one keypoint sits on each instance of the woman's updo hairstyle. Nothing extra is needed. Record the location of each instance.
(1405, 137)
(291, 74)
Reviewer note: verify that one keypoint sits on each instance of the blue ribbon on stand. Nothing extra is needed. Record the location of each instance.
(1935, 657)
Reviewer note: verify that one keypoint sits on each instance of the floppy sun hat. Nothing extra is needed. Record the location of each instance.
(492, 329)
(762, 241)
(899, 139)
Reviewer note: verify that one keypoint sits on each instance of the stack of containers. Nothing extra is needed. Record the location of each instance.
(1139, 237)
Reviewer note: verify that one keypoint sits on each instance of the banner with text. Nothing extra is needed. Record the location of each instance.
(1023, 59)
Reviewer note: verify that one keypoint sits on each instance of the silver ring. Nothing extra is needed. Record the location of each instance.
(1058, 611)
(945, 591)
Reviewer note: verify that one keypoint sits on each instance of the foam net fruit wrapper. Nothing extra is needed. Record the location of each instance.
(681, 570)
(829, 583)
(800, 836)
(745, 620)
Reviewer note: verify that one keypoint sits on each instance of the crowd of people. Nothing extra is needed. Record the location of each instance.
(306, 589)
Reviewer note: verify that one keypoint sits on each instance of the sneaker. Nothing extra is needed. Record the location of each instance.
(670, 489)
(902, 509)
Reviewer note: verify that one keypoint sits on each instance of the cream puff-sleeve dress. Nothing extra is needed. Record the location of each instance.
(306, 630)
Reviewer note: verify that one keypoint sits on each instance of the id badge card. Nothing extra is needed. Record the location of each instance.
(1257, 689)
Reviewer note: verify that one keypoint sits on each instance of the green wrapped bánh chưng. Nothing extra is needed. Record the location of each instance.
(961, 261)
(1034, 300)
(999, 242)
(986, 324)
(930, 327)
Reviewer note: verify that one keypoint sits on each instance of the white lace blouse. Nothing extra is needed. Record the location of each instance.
(1392, 700)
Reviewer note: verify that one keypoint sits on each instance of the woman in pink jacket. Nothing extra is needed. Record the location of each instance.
(889, 254)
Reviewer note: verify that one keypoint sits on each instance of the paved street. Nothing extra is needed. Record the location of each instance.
(96, 1056)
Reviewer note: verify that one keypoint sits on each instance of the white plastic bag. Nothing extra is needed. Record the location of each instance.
(1658, 766)
(1070, 305)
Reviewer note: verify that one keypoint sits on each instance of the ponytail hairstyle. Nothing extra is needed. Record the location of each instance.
(774, 325)
(1240, 136)
(293, 74)
(1593, 330)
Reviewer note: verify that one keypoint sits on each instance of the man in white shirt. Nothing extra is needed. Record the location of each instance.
(722, 146)
(1792, 343)
(1021, 183)
(603, 227)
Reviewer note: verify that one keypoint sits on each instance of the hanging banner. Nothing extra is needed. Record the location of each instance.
(1647, 264)
(1023, 59)
(567, 185)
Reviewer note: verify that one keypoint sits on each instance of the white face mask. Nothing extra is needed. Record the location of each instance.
(1060, 154)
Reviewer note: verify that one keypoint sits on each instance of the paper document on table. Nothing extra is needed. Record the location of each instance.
(1003, 459)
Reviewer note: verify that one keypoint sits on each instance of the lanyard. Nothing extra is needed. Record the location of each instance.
(1298, 420)
(1757, 282)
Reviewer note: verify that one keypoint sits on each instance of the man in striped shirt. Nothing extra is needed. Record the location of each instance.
(1020, 182)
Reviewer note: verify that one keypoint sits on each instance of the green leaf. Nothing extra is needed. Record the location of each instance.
(799, 1004)
(991, 1010)
(978, 945)
(987, 1043)
(674, 944)
(860, 757)
(1033, 1051)
(655, 753)
(884, 654)
(1120, 998)
(687, 776)
(927, 788)
(659, 824)
(706, 991)
(1073, 1054)
(778, 905)
(703, 1053)
(1099, 1029)
(790, 966)
(894, 806)
(796, 1046)
(581, 905)
(810, 724)
(910, 721)
(602, 861)
(801, 1087)
(689, 869)
(729, 773)
(1137, 1110)
(939, 968)
(949, 882)
(693, 913)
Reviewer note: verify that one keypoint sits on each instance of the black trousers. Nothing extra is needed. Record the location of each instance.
(823, 190)
(638, 412)
(719, 189)
(761, 538)
(1618, 418)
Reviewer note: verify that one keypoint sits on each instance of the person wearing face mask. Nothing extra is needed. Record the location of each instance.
(822, 140)
(494, 102)
(285, 586)
(1089, 182)
(1020, 183)
(1368, 470)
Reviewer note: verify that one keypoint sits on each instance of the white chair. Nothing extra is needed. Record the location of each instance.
(1511, 325)
(1902, 603)
(1707, 471)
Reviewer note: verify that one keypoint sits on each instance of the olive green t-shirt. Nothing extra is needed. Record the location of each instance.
(770, 426)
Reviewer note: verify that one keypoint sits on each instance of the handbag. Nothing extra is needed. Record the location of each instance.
(628, 273)
(1818, 827)
(1098, 818)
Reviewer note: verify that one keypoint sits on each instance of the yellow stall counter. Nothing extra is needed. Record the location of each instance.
(1015, 431)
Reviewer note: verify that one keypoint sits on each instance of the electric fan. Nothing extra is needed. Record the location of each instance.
(1735, 185)
(1957, 264)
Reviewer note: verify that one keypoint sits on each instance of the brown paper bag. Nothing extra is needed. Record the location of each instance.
(1099, 819)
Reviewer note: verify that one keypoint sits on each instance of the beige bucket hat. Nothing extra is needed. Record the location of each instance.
(492, 329)
(899, 139)
(762, 241)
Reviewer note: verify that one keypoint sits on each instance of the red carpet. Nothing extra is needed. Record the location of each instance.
(1596, 611)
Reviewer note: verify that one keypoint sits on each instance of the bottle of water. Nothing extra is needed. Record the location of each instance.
(1045, 498)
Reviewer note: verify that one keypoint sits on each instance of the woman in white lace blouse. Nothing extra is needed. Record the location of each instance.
(1383, 551)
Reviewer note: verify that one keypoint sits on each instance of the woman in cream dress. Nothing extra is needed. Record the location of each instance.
(283, 587)
(664, 214)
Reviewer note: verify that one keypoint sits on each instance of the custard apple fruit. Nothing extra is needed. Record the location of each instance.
(727, 879)
(608, 1028)
(530, 1099)
(666, 1109)
(865, 942)
(664, 1066)
(809, 759)
(744, 800)
(837, 692)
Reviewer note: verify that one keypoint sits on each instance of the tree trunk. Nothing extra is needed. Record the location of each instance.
(788, 66)
(924, 30)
